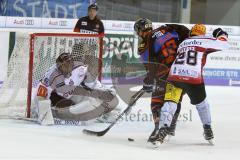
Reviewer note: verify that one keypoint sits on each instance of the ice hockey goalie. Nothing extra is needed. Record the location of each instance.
(69, 91)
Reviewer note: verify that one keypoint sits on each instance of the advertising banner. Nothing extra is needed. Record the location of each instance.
(223, 68)
(119, 25)
(31, 22)
(44, 8)
(109, 25)
(23, 22)
(58, 23)
(222, 77)
(121, 60)
(119, 50)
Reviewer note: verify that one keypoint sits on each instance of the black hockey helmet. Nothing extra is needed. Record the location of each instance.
(65, 63)
(143, 24)
(93, 6)
(219, 32)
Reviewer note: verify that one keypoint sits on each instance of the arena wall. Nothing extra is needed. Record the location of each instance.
(222, 68)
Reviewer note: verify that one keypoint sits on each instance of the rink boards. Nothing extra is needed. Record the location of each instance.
(222, 68)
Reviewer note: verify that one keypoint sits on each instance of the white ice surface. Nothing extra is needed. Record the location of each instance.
(26, 140)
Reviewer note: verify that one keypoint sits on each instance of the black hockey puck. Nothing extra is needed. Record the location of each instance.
(130, 139)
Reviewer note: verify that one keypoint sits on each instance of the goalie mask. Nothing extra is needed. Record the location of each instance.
(65, 64)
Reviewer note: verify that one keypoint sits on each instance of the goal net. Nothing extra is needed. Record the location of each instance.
(32, 56)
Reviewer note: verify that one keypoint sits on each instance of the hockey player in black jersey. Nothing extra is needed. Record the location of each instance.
(158, 50)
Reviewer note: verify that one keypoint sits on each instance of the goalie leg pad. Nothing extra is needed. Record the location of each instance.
(43, 108)
(86, 110)
(104, 95)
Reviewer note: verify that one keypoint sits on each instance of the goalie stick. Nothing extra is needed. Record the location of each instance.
(132, 101)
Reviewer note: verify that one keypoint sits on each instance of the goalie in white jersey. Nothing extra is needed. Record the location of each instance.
(69, 91)
(186, 76)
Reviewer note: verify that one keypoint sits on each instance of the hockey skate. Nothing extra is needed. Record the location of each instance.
(171, 129)
(171, 132)
(208, 134)
(152, 137)
(157, 138)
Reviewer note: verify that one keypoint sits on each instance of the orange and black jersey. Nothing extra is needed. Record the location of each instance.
(85, 23)
(162, 44)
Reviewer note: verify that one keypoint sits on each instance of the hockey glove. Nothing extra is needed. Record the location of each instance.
(148, 88)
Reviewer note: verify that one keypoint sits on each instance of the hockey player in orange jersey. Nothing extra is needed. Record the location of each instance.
(158, 49)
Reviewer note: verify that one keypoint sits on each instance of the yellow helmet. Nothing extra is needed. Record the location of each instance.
(198, 29)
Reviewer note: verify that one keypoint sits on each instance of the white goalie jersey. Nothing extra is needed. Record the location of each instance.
(53, 80)
(192, 54)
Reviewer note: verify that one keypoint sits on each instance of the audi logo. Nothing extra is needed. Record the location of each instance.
(62, 23)
(29, 22)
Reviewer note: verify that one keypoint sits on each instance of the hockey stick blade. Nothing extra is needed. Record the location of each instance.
(95, 133)
(134, 98)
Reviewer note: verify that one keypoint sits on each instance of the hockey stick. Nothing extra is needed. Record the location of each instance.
(132, 101)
